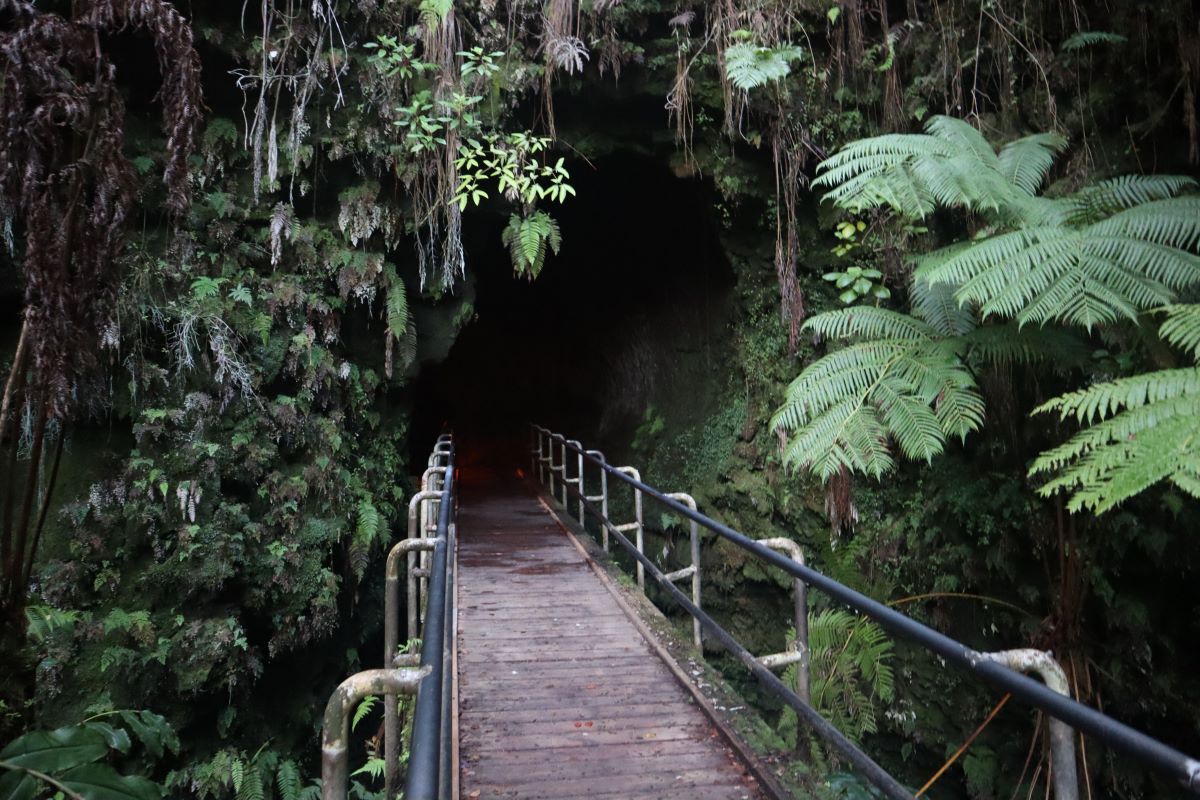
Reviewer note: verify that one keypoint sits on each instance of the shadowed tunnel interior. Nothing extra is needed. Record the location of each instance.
(640, 259)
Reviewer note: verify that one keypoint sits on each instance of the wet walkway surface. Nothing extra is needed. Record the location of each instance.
(559, 694)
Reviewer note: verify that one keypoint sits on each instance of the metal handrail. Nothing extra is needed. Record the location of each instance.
(1085, 719)
(430, 764)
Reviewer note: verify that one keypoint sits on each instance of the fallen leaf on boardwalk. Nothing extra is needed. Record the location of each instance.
(578, 724)
(650, 736)
(588, 723)
(474, 794)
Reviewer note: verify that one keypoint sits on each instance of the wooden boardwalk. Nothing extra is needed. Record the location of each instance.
(559, 694)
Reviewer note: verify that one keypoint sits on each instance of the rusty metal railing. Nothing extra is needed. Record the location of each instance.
(1001, 669)
(428, 551)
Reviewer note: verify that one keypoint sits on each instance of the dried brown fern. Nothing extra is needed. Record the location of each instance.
(68, 187)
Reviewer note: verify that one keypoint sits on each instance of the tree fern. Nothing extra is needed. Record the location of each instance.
(749, 66)
(1109, 253)
(905, 384)
(528, 239)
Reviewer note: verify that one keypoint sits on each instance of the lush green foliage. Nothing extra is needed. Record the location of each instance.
(71, 760)
(1107, 253)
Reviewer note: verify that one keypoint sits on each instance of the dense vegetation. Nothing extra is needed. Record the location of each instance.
(951, 348)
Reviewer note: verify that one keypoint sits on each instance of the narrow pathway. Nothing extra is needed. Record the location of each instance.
(559, 694)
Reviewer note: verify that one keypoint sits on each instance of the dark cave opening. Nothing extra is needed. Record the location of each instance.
(639, 248)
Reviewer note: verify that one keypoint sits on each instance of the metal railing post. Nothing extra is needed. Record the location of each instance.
(563, 445)
(554, 467)
(533, 450)
(579, 479)
(546, 456)
(335, 734)
(800, 655)
(1062, 739)
(391, 636)
(637, 525)
(602, 498)
(694, 570)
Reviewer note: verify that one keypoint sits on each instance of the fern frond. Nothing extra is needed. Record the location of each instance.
(935, 304)
(749, 66)
(528, 239)
(45, 621)
(369, 524)
(964, 136)
(397, 309)
(251, 787)
(1012, 344)
(1182, 328)
(868, 322)
(287, 781)
(237, 774)
(364, 708)
(1138, 431)
(1084, 39)
(950, 165)
(845, 410)
(1026, 161)
(1102, 199)
(851, 669)
(1131, 262)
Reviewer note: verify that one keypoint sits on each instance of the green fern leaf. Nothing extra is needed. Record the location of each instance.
(397, 309)
(749, 66)
(287, 780)
(363, 710)
(850, 670)
(237, 774)
(528, 240)
(251, 787)
(1084, 39)
(904, 385)
(1026, 161)
(1182, 328)
(1137, 431)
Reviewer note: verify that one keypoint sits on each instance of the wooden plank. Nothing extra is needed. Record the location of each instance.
(560, 695)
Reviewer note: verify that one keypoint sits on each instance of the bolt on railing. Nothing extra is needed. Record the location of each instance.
(1000, 669)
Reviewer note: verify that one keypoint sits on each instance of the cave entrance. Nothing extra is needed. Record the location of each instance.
(640, 259)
